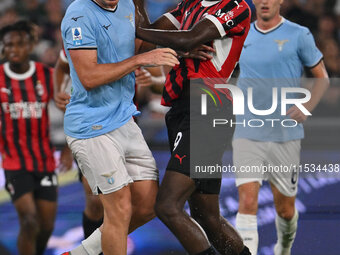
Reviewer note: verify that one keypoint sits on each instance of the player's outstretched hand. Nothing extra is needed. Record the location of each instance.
(296, 114)
(202, 52)
(159, 57)
(61, 99)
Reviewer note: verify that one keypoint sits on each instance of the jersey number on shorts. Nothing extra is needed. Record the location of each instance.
(49, 181)
(177, 140)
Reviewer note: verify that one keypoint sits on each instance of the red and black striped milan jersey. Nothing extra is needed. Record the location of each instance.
(232, 19)
(25, 142)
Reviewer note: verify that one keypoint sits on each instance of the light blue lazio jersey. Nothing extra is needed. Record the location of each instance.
(112, 33)
(271, 59)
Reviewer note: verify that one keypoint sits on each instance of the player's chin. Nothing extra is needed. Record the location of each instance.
(111, 3)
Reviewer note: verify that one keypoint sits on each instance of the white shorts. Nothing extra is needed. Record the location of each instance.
(113, 160)
(272, 161)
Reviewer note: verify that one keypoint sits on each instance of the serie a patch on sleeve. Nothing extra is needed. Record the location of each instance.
(77, 36)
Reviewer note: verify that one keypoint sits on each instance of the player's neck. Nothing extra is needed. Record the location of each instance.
(269, 24)
(19, 68)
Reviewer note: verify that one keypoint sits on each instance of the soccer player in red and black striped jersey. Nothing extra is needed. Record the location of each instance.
(196, 25)
(26, 87)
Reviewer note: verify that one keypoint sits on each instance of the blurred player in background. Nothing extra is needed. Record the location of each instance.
(274, 54)
(26, 87)
(223, 26)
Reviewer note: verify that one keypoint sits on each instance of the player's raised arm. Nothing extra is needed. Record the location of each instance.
(209, 28)
(92, 74)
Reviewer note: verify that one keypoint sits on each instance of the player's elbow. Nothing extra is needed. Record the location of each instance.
(87, 81)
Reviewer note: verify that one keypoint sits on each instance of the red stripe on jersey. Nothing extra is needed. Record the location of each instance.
(8, 148)
(22, 135)
(47, 147)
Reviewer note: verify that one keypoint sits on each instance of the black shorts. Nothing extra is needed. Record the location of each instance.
(43, 185)
(206, 148)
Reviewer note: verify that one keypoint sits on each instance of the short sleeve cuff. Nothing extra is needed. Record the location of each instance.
(217, 23)
(173, 20)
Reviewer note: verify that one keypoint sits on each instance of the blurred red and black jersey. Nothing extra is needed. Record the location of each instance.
(25, 141)
(232, 19)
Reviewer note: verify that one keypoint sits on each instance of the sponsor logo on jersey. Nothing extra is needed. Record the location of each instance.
(180, 158)
(106, 26)
(24, 110)
(76, 18)
(77, 36)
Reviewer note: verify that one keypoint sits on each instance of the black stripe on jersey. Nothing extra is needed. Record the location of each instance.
(194, 19)
(241, 17)
(184, 74)
(174, 85)
(185, 20)
(28, 126)
(47, 80)
(178, 11)
(165, 93)
(197, 63)
(229, 6)
(41, 146)
(15, 127)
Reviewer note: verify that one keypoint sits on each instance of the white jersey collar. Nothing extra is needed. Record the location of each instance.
(19, 76)
(206, 3)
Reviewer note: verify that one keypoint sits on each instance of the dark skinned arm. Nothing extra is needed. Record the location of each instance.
(186, 40)
(163, 23)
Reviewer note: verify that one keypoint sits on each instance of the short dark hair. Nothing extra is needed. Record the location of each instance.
(21, 26)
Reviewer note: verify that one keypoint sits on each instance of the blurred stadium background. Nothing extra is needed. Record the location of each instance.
(318, 201)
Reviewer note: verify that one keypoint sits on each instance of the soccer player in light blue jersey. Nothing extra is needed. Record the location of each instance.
(274, 55)
(99, 39)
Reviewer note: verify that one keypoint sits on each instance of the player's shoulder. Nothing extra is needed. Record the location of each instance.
(295, 27)
(77, 10)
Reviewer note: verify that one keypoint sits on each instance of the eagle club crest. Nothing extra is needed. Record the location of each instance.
(281, 43)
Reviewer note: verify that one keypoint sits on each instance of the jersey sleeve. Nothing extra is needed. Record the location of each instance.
(309, 54)
(78, 31)
(233, 18)
(176, 15)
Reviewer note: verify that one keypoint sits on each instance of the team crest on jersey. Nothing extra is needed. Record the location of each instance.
(77, 36)
(130, 18)
(281, 43)
(40, 88)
